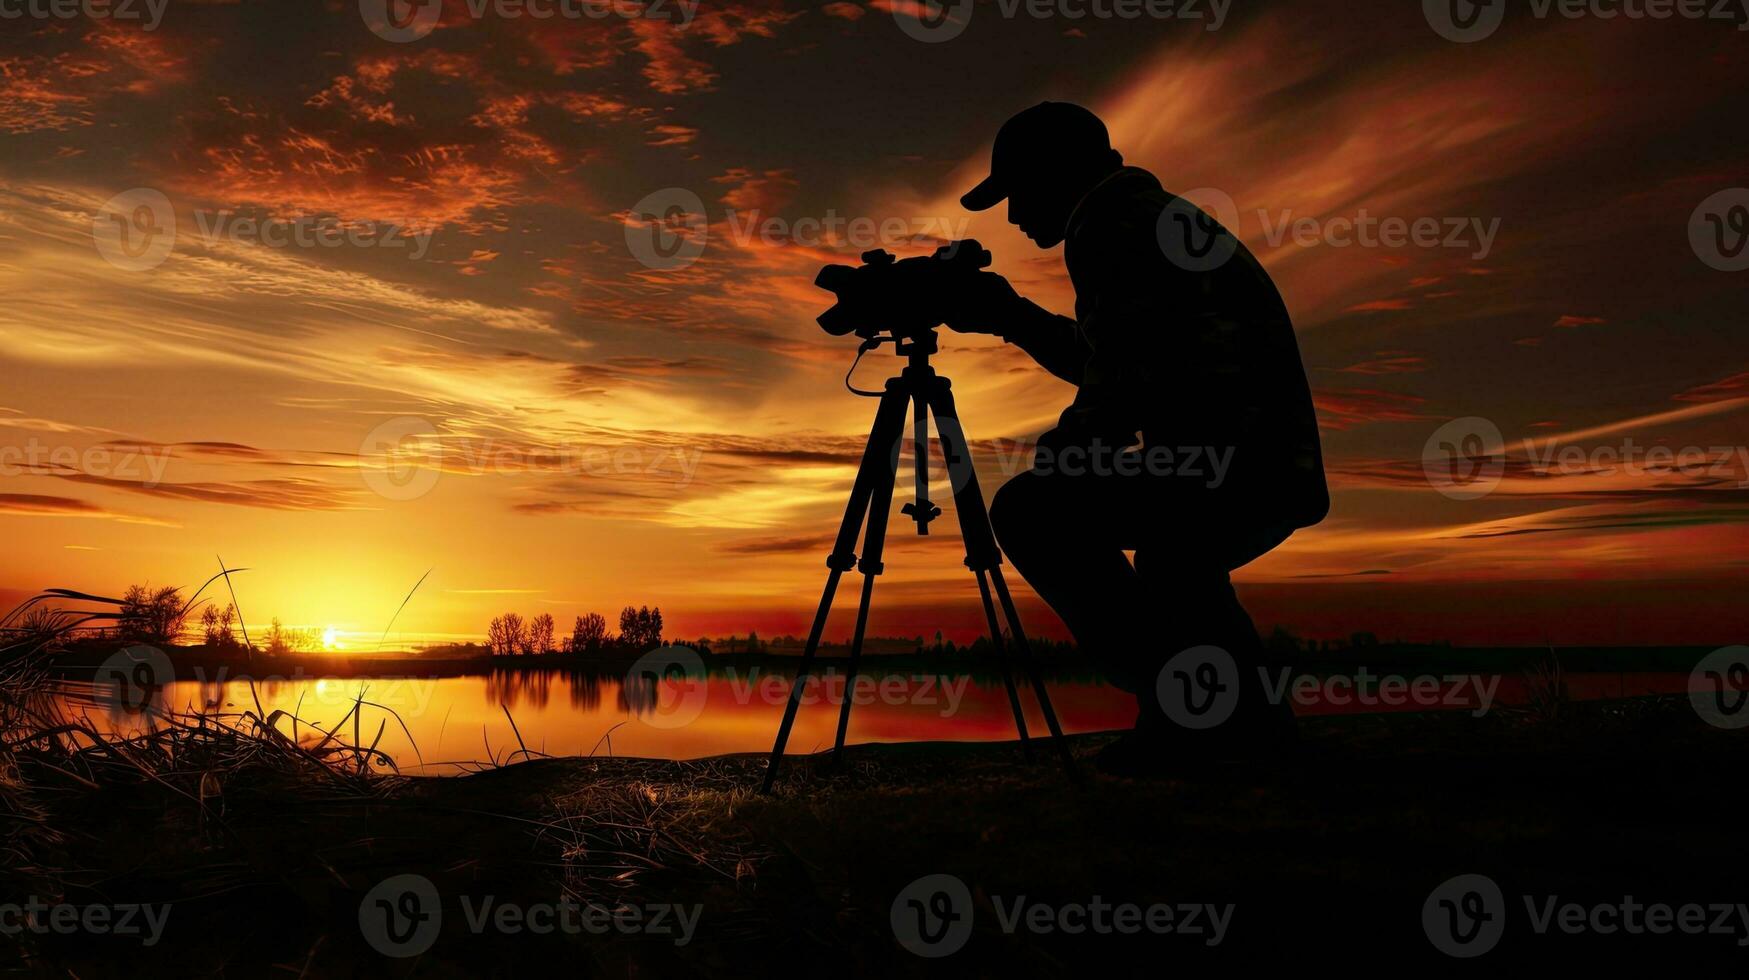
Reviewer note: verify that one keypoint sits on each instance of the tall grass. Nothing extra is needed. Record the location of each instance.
(52, 752)
(1545, 685)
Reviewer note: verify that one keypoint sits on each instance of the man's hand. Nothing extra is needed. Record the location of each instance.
(986, 304)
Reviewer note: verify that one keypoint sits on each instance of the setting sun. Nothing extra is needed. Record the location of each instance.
(330, 638)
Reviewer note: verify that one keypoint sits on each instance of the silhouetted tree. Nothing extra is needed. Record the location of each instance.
(640, 629)
(525, 642)
(590, 633)
(215, 626)
(628, 626)
(507, 634)
(540, 634)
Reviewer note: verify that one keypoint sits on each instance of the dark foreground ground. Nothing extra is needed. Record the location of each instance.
(1327, 857)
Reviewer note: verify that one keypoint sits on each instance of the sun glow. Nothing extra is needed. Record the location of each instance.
(330, 638)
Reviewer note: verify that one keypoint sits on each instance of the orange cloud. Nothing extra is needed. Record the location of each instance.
(670, 69)
(1380, 305)
(1345, 408)
(45, 505)
(749, 191)
(671, 134)
(1389, 362)
(1734, 387)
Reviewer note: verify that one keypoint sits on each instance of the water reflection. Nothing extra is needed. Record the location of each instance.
(663, 712)
(516, 688)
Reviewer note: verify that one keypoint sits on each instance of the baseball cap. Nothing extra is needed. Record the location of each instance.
(1043, 137)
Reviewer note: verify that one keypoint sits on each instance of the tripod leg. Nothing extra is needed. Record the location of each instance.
(850, 669)
(980, 541)
(876, 470)
(802, 671)
(873, 543)
(982, 555)
(1002, 658)
(1038, 684)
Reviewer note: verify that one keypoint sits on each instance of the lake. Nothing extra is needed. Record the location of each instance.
(446, 725)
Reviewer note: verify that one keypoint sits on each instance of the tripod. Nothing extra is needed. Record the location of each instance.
(919, 389)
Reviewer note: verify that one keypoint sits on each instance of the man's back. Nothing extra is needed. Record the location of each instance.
(1190, 338)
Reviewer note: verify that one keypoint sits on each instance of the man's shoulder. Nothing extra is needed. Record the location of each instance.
(1130, 198)
(1122, 235)
(1118, 223)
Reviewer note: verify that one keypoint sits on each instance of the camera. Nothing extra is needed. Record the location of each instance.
(904, 297)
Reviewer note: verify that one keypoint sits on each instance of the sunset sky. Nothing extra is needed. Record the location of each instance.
(595, 432)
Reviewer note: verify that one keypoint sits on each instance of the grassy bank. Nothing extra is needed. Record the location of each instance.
(1325, 855)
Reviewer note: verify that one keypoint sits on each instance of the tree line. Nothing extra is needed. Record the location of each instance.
(510, 635)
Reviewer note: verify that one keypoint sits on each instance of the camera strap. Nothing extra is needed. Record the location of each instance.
(864, 348)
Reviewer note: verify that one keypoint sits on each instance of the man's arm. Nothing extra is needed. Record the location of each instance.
(1122, 333)
(988, 304)
(1104, 406)
(1050, 338)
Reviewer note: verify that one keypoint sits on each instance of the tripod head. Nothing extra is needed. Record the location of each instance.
(915, 384)
(915, 346)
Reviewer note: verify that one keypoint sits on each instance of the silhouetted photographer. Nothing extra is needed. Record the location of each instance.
(1191, 440)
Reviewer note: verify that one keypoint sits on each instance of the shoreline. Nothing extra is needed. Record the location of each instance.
(1344, 836)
